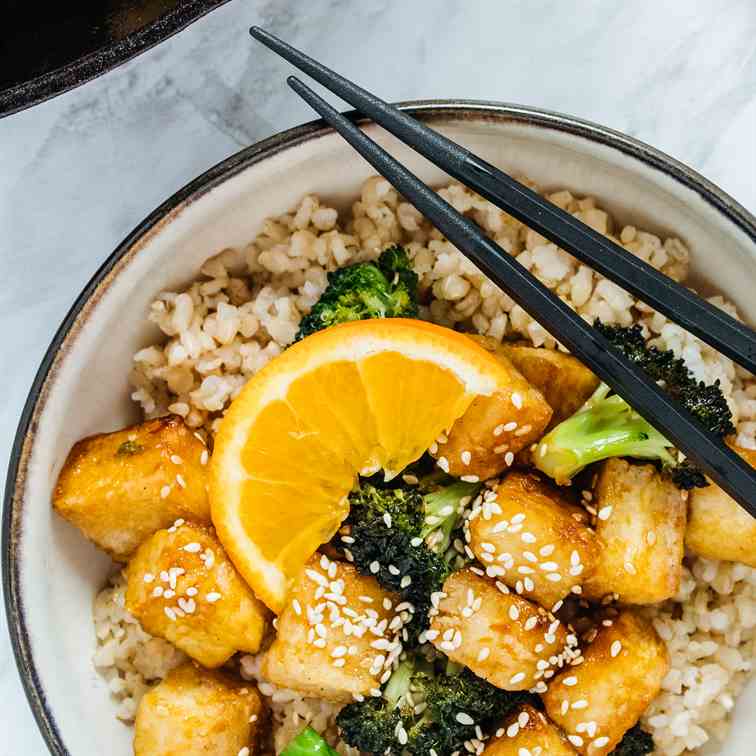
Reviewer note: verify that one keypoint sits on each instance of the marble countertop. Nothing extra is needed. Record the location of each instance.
(78, 172)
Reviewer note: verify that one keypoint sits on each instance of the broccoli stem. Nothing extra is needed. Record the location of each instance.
(399, 683)
(443, 510)
(605, 426)
(308, 743)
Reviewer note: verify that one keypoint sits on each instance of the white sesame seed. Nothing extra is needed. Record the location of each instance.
(576, 570)
(605, 512)
(466, 457)
(433, 448)
(470, 478)
(576, 740)
(375, 567)
(517, 399)
(415, 542)
(650, 538)
(519, 677)
(575, 558)
(180, 480)
(296, 606)
(554, 577)
(508, 459)
(519, 517)
(170, 613)
(393, 569)
(243, 752)
(528, 537)
(192, 548)
(523, 569)
(600, 742)
(514, 613)
(148, 577)
(339, 651)
(484, 653)
(157, 591)
(581, 703)
(212, 597)
(176, 459)
(169, 594)
(253, 719)
(569, 681)
(510, 426)
(565, 707)
(204, 457)
(549, 566)
(630, 568)
(529, 584)
(547, 550)
(387, 519)
(464, 719)
(405, 582)
(498, 430)
(165, 492)
(531, 622)
(443, 463)
(616, 648)
(512, 730)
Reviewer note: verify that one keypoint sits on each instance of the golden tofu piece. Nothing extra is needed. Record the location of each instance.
(494, 428)
(182, 587)
(336, 633)
(641, 528)
(529, 731)
(564, 381)
(533, 540)
(597, 701)
(718, 528)
(196, 712)
(501, 637)
(119, 488)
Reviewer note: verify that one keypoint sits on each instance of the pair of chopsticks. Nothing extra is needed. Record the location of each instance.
(679, 304)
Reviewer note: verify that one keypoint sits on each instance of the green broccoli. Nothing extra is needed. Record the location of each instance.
(308, 743)
(607, 426)
(636, 742)
(386, 288)
(402, 537)
(425, 709)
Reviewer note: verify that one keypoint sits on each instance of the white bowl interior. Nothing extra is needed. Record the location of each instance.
(61, 572)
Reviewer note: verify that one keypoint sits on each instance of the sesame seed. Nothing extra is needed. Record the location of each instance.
(523, 430)
(517, 400)
(514, 613)
(169, 594)
(253, 719)
(192, 548)
(339, 651)
(523, 569)
(443, 463)
(565, 707)
(470, 478)
(180, 480)
(529, 584)
(512, 730)
(531, 622)
(650, 538)
(557, 606)
(464, 719)
(569, 681)
(148, 577)
(466, 457)
(296, 606)
(549, 566)
(581, 703)
(165, 492)
(630, 568)
(393, 569)
(170, 613)
(387, 519)
(243, 752)
(375, 567)
(616, 648)
(204, 457)
(176, 459)
(484, 653)
(508, 459)
(405, 582)
(501, 449)
(528, 537)
(519, 677)
(157, 591)
(554, 577)
(576, 570)
(547, 550)
(498, 430)
(600, 742)
(575, 558)
(605, 512)
(212, 597)
(576, 740)
(543, 449)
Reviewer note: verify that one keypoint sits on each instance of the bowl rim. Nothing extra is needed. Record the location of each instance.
(426, 110)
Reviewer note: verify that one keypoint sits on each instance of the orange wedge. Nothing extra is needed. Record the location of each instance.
(352, 399)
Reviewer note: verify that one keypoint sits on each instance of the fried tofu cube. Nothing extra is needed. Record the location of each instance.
(528, 731)
(533, 540)
(195, 712)
(641, 529)
(494, 428)
(501, 637)
(597, 701)
(718, 528)
(337, 635)
(119, 488)
(181, 586)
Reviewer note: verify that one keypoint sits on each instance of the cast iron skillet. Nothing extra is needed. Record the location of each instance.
(48, 48)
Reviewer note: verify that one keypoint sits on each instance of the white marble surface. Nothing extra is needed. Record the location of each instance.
(77, 173)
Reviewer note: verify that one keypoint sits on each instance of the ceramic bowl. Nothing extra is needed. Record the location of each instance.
(52, 574)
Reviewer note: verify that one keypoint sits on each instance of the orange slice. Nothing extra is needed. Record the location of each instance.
(348, 400)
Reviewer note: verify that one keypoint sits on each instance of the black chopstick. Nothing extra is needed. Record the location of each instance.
(679, 304)
(705, 449)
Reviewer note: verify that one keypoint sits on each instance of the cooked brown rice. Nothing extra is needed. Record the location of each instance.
(244, 309)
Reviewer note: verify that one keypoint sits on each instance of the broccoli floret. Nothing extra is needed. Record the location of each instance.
(308, 743)
(635, 743)
(607, 426)
(386, 288)
(390, 724)
(399, 533)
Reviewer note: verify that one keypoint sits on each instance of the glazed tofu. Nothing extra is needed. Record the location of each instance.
(182, 587)
(641, 529)
(337, 635)
(501, 637)
(597, 701)
(718, 528)
(197, 712)
(119, 488)
(528, 731)
(494, 428)
(533, 540)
